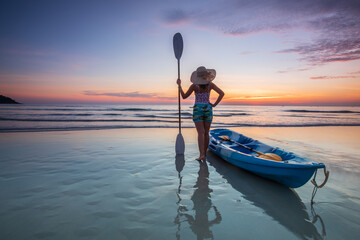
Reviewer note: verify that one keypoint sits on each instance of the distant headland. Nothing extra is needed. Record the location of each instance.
(7, 100)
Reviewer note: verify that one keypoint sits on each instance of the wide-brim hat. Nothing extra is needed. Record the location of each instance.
(197, 77)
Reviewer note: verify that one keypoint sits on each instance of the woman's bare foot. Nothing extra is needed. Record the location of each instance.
(203, 157)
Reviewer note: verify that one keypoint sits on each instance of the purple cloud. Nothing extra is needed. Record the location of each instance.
(120, 94)
(323, 51)
(333, 24)
(176, 17)
(338, 41)
(331, 77)
(127, 94)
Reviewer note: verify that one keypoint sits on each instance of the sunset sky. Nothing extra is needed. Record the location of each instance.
(120, 51)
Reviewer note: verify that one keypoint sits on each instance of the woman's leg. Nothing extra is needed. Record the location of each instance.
(200, 127)
(206, 135)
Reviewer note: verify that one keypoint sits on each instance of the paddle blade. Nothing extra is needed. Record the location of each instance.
(180, 144)
(179, 162)
(178, 45)
(225, 138)
(270, 156)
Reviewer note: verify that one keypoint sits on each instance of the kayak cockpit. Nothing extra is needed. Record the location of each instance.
(256, 145)
(251, 155)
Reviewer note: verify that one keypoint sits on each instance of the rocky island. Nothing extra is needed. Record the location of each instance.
(7, 100)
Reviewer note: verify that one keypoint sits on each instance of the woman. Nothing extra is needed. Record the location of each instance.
(202, 114)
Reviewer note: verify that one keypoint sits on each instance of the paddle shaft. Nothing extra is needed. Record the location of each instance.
(226, 138)
(179, 97)
(268, 156)
(248, 148)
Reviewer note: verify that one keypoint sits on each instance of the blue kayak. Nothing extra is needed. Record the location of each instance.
(292, 171)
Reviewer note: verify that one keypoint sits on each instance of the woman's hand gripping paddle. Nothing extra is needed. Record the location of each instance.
(178, 49)
(267, 156)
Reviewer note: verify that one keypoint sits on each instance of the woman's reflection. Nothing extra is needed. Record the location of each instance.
(200, 224)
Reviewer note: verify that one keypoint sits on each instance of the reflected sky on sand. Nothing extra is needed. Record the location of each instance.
(279, 202)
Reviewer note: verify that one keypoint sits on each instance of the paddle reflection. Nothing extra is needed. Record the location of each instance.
(201, 198)
(279, 202)
(179, 165)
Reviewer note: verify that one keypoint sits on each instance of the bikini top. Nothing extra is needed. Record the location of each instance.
(202, 97)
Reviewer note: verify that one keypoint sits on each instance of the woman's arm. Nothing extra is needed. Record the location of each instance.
(219, 91)
(189, 91)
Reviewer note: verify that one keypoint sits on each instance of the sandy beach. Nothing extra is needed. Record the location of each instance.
(128, 184)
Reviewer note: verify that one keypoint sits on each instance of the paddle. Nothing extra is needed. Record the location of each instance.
(267, 156)
(178, 49)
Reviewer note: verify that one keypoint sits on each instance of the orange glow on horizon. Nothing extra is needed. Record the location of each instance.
(247, 95)
(248, 100)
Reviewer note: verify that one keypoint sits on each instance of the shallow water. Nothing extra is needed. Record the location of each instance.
(25, 117)
(128, 184)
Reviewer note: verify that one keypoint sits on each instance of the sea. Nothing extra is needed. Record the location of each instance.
(26, 117)
(126, 182)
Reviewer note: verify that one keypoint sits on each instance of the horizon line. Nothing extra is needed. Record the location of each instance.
(187, 104)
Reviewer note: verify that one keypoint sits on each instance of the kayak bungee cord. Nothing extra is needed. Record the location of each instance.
(316, 186)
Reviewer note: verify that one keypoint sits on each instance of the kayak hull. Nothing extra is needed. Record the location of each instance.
(293, 171)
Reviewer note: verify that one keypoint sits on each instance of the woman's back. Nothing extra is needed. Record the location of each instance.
(202, 94)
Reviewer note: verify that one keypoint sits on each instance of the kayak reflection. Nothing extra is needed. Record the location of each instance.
(279, 202)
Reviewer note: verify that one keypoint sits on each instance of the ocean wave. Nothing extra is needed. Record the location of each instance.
(320, 111)
(144, 116)
(48, 129)
(67, 114)
(304, 116)
(55, 109)
(91, 109)
(285, 125)
(216, 113)
(163, 116)
(54, 114)
(139, 109)
(113, 114)
(231, 114)
(182, 114)
(83, 120)
(232, 110)
(130, 109)
(218, 125)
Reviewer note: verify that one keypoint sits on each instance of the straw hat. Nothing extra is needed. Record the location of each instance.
(203, 75)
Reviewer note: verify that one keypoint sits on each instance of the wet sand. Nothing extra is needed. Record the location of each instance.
(128, 184)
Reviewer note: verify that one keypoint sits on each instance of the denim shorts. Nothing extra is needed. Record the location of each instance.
(202, 112)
